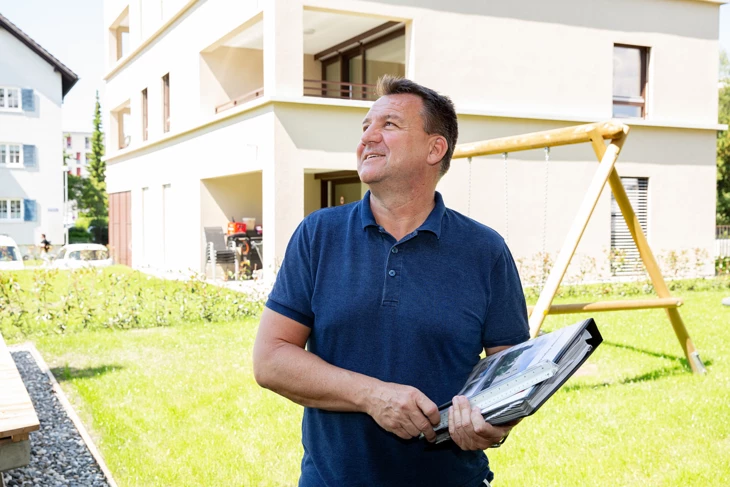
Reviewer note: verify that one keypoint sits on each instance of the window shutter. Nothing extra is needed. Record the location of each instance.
(29, 159)
(626, 260)
(29, 210)
(28, 100)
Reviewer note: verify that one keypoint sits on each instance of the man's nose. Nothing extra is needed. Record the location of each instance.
(370, 135)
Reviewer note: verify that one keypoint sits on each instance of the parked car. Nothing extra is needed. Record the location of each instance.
(10, 258)
(75, 256)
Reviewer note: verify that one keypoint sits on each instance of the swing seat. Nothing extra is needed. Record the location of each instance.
(562, 309)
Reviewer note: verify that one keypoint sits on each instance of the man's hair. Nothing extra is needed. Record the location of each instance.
(439, 115)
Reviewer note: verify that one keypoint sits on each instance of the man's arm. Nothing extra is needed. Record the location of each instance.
(282, 365)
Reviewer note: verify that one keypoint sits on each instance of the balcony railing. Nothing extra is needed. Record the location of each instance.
(339, 89)
(252, 95)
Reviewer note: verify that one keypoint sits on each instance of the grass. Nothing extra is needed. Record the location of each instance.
(178, 406)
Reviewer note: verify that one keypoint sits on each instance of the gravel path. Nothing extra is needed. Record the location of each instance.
(58, 457)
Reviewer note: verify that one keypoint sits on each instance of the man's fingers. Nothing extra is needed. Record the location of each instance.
(402, 433)
(429, 408)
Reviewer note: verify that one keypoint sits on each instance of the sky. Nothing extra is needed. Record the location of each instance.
(73, 31)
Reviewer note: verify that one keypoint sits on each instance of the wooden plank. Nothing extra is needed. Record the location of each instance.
(17, 415)
(647, 256)
(537, 140)
(559, 309)
(580, 222)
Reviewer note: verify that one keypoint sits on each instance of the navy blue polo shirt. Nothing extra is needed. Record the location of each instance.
(415, 312)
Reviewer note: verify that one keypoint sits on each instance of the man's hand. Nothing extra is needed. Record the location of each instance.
(469, 430)
(404, 410)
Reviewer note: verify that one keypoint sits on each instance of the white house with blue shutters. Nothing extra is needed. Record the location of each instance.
(33, 84)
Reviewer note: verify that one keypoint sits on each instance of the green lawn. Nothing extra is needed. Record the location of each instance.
(178, 406)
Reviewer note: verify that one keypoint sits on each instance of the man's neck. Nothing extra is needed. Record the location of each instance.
(401, 212)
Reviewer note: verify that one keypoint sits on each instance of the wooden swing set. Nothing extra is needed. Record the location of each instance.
(596, 134)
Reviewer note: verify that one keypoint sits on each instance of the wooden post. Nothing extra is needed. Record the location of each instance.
(647, 256)
(580, 222)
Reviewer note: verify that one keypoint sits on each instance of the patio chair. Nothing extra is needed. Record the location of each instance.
(216, 236)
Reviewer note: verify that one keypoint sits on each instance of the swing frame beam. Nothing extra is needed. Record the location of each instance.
(596, 134)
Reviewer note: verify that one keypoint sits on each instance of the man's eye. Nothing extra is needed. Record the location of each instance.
(365, 127)
(389, 123)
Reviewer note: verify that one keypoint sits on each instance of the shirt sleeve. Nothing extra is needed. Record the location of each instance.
(291, 295)
(506, 321)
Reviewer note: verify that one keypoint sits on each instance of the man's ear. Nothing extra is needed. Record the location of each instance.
(437, 149)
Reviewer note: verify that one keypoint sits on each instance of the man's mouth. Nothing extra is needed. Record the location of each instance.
(371, 156)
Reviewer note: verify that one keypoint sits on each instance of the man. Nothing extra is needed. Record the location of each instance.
(45, 249)
(395, 297)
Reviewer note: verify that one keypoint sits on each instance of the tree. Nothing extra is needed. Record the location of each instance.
(723, 145)
(97, 167)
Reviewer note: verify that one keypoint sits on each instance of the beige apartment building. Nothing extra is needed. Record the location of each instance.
(220, 109)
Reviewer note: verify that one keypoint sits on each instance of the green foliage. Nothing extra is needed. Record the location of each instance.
(723, 146)
(97, 167)
(51, 301)
(722, 266)
(90, 193)
(78, 235)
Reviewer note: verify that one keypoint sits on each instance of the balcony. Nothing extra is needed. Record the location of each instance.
(340, 65)
(339, 89)
(232, 70)
(252, 95)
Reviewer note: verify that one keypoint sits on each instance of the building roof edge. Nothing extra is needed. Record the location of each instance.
(68, 77)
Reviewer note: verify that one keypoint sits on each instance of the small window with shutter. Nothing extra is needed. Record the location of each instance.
(10, 99)
(625, 258)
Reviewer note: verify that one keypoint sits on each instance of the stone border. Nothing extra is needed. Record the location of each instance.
(30, 348)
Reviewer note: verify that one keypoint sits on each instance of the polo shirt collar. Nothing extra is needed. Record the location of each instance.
(432, 223)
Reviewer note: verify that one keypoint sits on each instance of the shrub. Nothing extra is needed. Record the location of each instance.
(722, 265)
(78, 235)
(51, 301)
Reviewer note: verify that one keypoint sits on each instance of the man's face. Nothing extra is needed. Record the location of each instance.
(394, 144)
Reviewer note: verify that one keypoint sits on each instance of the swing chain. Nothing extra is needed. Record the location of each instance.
(545, 214)
(506, 199)
(468, 201)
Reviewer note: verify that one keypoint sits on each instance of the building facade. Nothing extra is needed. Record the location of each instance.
(227, 109)
(77, 151)
(32, 86)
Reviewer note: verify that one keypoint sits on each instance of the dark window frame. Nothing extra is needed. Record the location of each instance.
(344, 58)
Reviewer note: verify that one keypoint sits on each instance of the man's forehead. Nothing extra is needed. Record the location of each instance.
(399, 106)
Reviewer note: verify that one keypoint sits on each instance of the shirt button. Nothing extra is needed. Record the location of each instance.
(391, 273)
(394, 250)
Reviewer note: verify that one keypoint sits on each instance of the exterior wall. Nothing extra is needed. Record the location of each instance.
(20, 67)
(231, 149)
(512, 69)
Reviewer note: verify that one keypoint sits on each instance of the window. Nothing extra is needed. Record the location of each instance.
(353, 73)
(88, 158)
(78, 157)
(11, 209)
(87, 143)
(625, 258)
(144, 114)
(9, 99)
(68, 142)
(10, 155)
(629, 81)
(8, 254)
(166, 102)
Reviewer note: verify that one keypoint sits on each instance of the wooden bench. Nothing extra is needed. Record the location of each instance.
(17, 415)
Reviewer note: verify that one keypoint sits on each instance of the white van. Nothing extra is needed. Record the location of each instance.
(10, 258)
